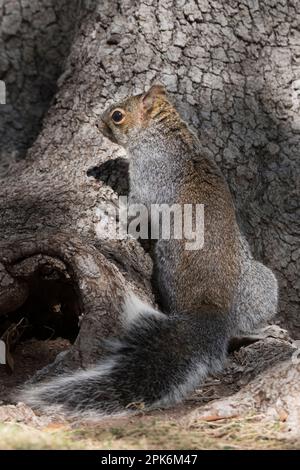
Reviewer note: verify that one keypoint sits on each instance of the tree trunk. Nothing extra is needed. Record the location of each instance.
(274, 393)
(230, 67)
(35, 39)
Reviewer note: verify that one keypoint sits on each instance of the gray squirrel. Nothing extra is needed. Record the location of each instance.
(207, 295)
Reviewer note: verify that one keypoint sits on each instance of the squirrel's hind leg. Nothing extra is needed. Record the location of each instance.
(257, 297)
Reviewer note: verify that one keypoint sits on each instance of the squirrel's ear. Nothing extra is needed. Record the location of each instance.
(149, 98)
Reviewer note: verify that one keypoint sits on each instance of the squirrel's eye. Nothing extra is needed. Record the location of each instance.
(117, 116)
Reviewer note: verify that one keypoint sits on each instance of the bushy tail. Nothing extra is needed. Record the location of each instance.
(156, 364)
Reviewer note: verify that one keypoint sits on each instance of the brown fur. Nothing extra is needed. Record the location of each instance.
(207, 276)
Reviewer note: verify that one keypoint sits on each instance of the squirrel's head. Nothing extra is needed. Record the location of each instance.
(124, 120)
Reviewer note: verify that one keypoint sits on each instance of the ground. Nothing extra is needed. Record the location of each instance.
(163, 432)
(177, 428)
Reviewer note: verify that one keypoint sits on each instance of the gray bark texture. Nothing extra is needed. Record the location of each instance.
(274, 393)
(35, 38)
(232, 68)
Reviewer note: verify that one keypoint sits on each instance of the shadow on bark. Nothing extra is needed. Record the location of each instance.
(35, 40)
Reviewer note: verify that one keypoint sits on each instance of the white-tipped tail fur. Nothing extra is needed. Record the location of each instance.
(159, 360)
(134, 307)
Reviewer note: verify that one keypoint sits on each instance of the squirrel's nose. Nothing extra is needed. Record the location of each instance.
(103, 128)
(101, 125)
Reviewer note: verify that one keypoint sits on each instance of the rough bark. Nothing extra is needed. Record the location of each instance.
(274, 393)
(231, 68)
(35, 38)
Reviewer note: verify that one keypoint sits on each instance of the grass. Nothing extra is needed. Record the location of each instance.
(146, 432)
